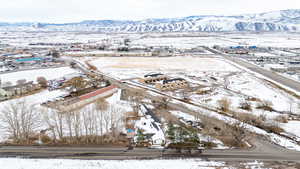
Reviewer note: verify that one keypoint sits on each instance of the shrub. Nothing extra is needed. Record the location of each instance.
(208, 144)
(265, 105)
(245, 105)
(273, 128)
(249, 118)
(42, 81)
(224, 104)
(46, 139)
(258, 122)
(281, 119)
(253, 99)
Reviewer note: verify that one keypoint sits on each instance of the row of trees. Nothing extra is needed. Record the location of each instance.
(97, 123)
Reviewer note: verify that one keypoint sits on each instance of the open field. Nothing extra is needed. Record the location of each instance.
(32, 75)
(131, 67)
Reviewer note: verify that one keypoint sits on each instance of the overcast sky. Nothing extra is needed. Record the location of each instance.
(59, 11)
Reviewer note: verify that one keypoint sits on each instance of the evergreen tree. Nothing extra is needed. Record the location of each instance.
(171, 132)
(140, 136)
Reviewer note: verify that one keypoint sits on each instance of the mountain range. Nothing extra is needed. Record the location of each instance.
(284, 20)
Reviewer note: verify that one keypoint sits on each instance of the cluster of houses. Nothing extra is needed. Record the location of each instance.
(117, 47)
(241, 50)
(13, 61)
(282, 60)
(10, 91)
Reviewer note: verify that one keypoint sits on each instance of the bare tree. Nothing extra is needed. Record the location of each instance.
(47, 118)
(101, 106)
(77, 124)
(21, 81)
(239, 133)
(90, 124)
(20, 120)
(69, 120)
(42, 81)
(136, 97)
(265, 105)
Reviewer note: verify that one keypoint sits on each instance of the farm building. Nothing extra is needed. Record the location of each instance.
(85, 99)
(172, 84)
(154, 77)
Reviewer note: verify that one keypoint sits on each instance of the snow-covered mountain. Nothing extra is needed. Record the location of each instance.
(285, 20)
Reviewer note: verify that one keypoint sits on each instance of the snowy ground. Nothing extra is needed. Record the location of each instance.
(183, 42)
(292, 127)
(132, 67)
(32, 75)
(249, 85)
(25, 38)
(263, 39)
(15, 163)
(191, 40)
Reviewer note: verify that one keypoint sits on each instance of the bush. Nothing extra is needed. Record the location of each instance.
(249, 118)
(224, 104)
(46, 139)
(42, 81)
(258, 122)
(273, 128)
(209, 144)
(246, 105)
(265, 105)
(253, 99)
(281, 119)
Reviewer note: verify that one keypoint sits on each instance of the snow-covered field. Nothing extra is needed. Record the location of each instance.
(251, 86)
(132, 67)
(152, 39)
(32, 75)
(25, 38)
(16, 163)
(184, 42)
(194, 69)
(266, 39)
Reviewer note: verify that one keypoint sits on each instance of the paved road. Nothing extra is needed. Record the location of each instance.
(263, 151)
(274, 76)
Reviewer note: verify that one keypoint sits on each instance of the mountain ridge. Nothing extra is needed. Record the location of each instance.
(284, 20)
